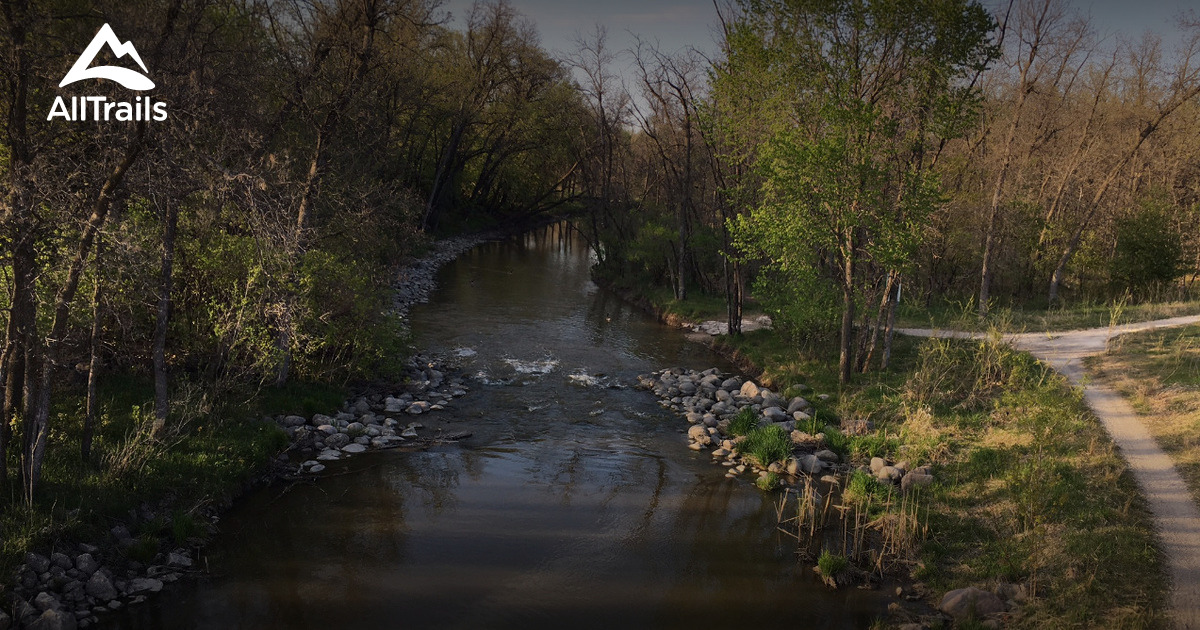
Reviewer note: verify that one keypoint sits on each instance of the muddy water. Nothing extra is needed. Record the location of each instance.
(574, 504)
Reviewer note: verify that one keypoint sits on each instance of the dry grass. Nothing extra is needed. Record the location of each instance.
(1159, 373)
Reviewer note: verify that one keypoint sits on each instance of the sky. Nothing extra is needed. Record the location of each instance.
(677, 24)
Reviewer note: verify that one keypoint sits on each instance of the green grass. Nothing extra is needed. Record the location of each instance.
(830, 564)
(743, 423)
(213, 449)
(767, 444)
(767, 482)
(1087, 314)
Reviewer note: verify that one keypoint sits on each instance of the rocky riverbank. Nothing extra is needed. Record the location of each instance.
(78, 585)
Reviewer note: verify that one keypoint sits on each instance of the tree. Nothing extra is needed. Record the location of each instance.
(870, 85)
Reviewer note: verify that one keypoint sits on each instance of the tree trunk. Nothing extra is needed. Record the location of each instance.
(893, 302)
(92, 404)
(170, 218)
(845, 363)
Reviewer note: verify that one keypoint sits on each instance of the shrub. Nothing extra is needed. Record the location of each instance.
(831, 565)
(767, 444)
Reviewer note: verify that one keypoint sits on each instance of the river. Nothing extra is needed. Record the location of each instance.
(575, 503)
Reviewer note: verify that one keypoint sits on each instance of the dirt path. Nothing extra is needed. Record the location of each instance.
(1175, 514)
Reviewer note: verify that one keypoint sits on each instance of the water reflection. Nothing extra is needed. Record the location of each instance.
(574, 504)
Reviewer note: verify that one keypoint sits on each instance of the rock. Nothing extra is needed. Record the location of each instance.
(180, 560)
(37, 562)
(687, 388)
(86, 548)
(54, 620)
(409, 433)
(337, 440)
(144, 585)
(876, 464)
(356, 427)
(327, 429)
(775, 414)
(749, 389)
(45, 601)
(5, 621)
(694, 418)
(697, 431)
(1012, 592)
(721, 452)
(811, 464)
(889, 473)
(322, 419)
(915, 480)
(316, 468)
(775, 467)
(965, 603)
(353, 448)
(61, 560)
(87, 564)
(797, 404)
(800, 416)
(329, 454)
(100, 587)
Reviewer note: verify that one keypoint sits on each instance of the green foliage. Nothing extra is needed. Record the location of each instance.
(831, 565)
(1149, 251)
(743, 423)
(767, 482)
(143, 549)
(767, 444)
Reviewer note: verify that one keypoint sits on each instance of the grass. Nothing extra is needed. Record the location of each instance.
(1028, 487)
(743, 423)
(831, 564)
(1087, 314)
(212, 449)
(767, 444)
(1158, 371)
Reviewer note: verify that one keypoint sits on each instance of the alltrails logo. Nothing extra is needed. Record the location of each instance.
(99, 107)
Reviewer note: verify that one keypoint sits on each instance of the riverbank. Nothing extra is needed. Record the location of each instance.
(108, 533)
(1030, 499)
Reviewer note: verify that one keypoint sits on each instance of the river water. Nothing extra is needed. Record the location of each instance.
(575, 504)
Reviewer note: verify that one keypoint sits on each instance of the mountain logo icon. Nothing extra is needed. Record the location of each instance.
(131, 79)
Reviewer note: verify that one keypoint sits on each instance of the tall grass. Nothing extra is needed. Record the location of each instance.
(766, 444)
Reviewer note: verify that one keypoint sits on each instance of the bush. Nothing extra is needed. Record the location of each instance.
(742, 424)
(767, 444)
(831, 565)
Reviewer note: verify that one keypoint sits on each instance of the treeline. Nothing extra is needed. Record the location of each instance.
(839, 154)
(247, 239)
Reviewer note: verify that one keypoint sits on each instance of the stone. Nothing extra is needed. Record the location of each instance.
(327, 429)
(775, 414)
(811, 464)
(409, 433)
(37, 562)
(337, 440)
(328, 454)
(362, 406)
(45, 601)
(721, 452)
(86, 563)
(749, 389)
(180, 560)
(687, 388)
(353, 448)
(876, 464)
(316, 468)
(322, 419)
(697, 431)
(965, 603)
(797, 404)
(61, 560)
(889, 473)
(915, 480)
(144, 585)
(100, 587)
(800, 416)
(356, 427)
(55, 620)
(730, 384)
(827, 455)
(723, 395)
(694, 418)
(393, 405)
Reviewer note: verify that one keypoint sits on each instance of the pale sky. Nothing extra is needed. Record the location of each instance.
(676, 24)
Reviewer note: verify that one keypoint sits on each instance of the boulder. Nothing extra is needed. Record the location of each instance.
(54, 620)
(144, 585)
(353, 448)
(811, 464)
(749, 389)
(355, 427)
(62, 561)
(915, 480)
(827, 455)
(86, 563)
(775, 414)
(181, 560)
(37, 562)
(889, 473)
(797, 404)
(876, 464)
(410, 433)
(100, 587)
(329, 454)
(337, 440)
(697, 431)
(965, 603)
(327, 429)
(730, 384)
(45, 601)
